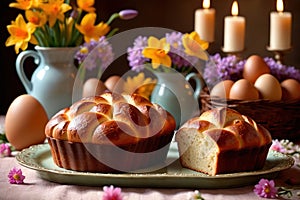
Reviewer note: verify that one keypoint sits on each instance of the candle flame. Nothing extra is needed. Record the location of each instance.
(235, 9)
(279, 5)
(206, 4)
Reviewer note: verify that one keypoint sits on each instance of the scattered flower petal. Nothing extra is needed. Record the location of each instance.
(112, 193)
(265, 189)
(277, 146)
(15, 176)
(5, 150)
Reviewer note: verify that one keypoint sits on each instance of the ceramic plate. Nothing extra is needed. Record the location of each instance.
(38, 157)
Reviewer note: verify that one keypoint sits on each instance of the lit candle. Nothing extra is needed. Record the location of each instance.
(205, 22)
(280, 28)
(234, 31)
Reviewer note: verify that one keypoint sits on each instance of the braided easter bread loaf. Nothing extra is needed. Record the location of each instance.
(122, 119)
(222, 140)
(110, 133)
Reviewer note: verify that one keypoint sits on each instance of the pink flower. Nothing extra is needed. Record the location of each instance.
(15, 176)
(266, 189)
(112, 193)
(5, 150)
(277, 146)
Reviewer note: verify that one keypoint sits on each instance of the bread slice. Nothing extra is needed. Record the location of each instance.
(213, 145)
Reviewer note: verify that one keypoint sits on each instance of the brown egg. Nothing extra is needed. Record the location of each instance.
(92, 87)
(290, 89)
(254, 67)
(269, 87)
(243, 90)
(25, 122)
(222, 89)
(114, 83)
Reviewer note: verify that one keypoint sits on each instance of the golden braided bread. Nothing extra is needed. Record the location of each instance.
(110, 118)
(110, 133)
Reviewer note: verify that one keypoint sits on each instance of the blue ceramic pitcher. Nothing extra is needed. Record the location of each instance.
(175, 94)
(52, 81)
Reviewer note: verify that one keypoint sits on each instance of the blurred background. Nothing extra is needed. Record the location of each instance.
(177, 15)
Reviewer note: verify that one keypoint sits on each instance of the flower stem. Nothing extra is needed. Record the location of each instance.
(112, 18)
(112, 32)
(57, 34)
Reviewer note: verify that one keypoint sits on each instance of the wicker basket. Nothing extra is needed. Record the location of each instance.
(281, 118)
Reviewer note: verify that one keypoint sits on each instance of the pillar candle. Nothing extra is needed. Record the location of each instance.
(234, 31)
(205, 22)
(280, 28)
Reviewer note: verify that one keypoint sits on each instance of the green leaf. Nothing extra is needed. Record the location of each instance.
(3, 138)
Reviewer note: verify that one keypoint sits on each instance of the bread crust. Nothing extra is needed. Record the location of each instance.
(110, 133)
(237, 143)
(130, 117)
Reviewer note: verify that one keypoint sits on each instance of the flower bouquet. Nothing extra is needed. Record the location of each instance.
(57, 28)
(172, 60)
(59, 23)
(280, 117)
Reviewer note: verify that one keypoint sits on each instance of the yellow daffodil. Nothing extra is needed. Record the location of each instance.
(86, 5)
(20, 34)
(55, 9)
(24, 4)
(37, 18)
(140, 85)
(194, 46)
(59, 23)
(89, 30)
(157, 50)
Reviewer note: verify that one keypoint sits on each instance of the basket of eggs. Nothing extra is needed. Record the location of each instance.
(261, 88)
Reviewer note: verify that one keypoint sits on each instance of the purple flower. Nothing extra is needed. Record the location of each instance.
(95, 53)
(5, 150)
(282, 72)
(112, 193)
(230, 67)
(219, 69)
(135, 56)
(265, 189)
(128, 14)
(15, 176)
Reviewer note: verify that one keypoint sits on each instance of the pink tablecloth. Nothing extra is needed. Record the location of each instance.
(37, 188)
